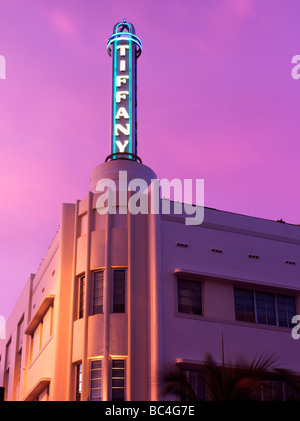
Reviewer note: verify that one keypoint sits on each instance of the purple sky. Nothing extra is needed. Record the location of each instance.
(216, 100)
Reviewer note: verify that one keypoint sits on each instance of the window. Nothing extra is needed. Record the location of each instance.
(83, 224)
(46, 326)
(244, 305)
(274, 390)
(6, 383)
(95, 380)
(98, 292)
(197, 380)
(18, 365)
(18, 359)
(264, 307)
(40, 328)
(119, 291)
(81, 297)
(36, 341)
(44, 395)
(189, 296)
(8, 355)
(20, 333)
(78, 381)
(7, 367)
(286, 309)
(118, 380)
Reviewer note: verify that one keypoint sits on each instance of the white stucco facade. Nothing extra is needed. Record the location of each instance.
(63, 321)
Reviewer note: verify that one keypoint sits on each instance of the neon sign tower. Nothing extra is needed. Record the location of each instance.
(124, 47)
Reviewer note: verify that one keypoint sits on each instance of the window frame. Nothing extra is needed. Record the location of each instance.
(268, 392)
(265, 311)
(249, 317)
(198, 283)
(285, 296)
(91, 369)
(81, 295)
(35, 328)
(114, 359)
(256, 294)
(93, 293)
(78, 381)
(190, 371)
(113, 310)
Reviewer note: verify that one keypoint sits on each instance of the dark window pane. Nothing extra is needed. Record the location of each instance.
(78, 381)
(118, 372)
(95, 380)
(265, 306)
(271, 321)
(244, 305)
(96, 364)
(277, 391)
(119, 308)
(265, 312)
(118, 380)
(183, 308)
(119, 291)
(240, 308)
(98, 292)
(196, 380)
(98, 309)
(117, 395)
(250, 318)
(118, 363)
(189, 297)
(81, 297)
(119, 299)
(289, 392)
(286, 309)
(96, 395)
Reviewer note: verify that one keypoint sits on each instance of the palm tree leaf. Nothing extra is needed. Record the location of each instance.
(241, 381)
(175, 382)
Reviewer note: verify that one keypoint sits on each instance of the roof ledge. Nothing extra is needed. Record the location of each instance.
(46, 303)
(37, 389)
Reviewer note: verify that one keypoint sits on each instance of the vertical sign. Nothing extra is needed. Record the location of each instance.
(124, 47)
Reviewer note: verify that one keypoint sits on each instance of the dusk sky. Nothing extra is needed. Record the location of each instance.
(216, 100)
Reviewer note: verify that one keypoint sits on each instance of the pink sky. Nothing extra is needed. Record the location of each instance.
(216, 100)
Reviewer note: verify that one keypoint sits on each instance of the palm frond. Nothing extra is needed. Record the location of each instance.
(175, 382)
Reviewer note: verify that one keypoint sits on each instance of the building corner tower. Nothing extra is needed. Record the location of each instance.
(121, 253)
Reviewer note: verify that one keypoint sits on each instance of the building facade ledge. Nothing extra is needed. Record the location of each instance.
(37, 389)
(238, 281)
(38, 316)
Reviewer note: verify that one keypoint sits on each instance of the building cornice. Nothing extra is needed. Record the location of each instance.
(39, 314)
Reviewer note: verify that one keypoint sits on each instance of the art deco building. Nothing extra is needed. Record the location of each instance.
(119, 295)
